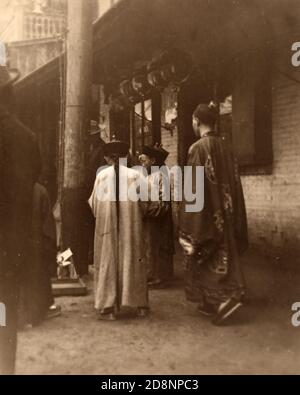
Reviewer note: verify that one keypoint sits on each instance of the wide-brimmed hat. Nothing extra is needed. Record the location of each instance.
(156, 152)
(8, 76)
(116, 147)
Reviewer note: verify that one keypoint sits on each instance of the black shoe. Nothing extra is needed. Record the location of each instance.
(226, 310)
(143, 312)
(107, 317)
(155, 284)
(207, 309)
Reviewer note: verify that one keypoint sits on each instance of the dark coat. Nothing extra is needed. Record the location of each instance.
(224, 204)
(19, 167)
(218, 233)
(19, 164)
(36, 295)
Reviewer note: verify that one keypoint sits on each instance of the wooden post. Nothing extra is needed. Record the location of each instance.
(132, 131)
(143, 121)
(78, 88)
(156, 117)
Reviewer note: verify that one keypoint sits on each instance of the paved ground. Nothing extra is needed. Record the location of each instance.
(174, 339)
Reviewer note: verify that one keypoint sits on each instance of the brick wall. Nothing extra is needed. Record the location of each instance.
(273, 201)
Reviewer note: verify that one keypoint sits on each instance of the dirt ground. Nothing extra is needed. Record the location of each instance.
(174, 339)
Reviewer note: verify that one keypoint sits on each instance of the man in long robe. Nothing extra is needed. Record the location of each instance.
(214, 238)
(120, 277)
(159, 218)
(95, 160)
(37, 301)
(19, 163)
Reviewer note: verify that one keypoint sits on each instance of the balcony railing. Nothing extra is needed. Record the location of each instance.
(43, 26)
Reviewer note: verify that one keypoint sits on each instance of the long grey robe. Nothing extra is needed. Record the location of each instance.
(119, 255)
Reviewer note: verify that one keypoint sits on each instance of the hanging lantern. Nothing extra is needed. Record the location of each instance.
(155, 79)
(177, 70)
(141, 85)
(118, 103)
(172, 67)
(127, 90)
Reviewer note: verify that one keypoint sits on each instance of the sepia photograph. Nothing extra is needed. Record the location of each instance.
(149, 190)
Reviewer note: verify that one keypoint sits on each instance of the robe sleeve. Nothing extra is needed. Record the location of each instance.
(197, 227)
(93, 198)
(159, 207)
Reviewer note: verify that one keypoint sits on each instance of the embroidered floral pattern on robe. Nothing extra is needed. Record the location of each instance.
(214, 238)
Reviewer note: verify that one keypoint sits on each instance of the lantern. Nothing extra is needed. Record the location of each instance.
(127, 90)
(155, 79)
(177, 69)
(172, 67)
(141, 85)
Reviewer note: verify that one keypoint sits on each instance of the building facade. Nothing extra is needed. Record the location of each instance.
(251, 71)
(249, 75)
(32, 19)
(33, 31)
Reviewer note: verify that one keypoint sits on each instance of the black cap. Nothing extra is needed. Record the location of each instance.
(116, 147)
(156, 152)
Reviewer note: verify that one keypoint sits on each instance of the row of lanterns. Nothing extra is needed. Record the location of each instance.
(169, 68)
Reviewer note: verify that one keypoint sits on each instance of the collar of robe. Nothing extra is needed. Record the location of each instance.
(210, 133)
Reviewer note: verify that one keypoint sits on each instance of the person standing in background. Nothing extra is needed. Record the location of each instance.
(120, 278)
(19, 169)
(37, 302)
(95, 159)
(214, 238)
(158, 217)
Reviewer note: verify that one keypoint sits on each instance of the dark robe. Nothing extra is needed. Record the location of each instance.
(94, 162)
(19, 164)
(218, 234)
(159, 221)
(37, 292)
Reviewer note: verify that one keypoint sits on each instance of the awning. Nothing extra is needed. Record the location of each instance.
(131, 33)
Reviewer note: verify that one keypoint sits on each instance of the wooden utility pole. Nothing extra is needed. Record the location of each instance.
(78, 88)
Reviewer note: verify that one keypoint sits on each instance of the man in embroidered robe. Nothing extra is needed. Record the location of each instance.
(120, 277)
(213, 239)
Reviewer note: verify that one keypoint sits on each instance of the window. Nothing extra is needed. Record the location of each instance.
(146, 123)
(143, 124)
(249, 124)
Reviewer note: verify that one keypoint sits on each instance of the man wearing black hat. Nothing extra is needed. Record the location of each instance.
(159, 217)
(120, 277)
(19, 164)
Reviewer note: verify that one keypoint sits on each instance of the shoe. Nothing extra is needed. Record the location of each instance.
(28, 327)
(142, 312)
(155, 284)
(106, 317)
(54, 311)
(206, 309)
(226, 310)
